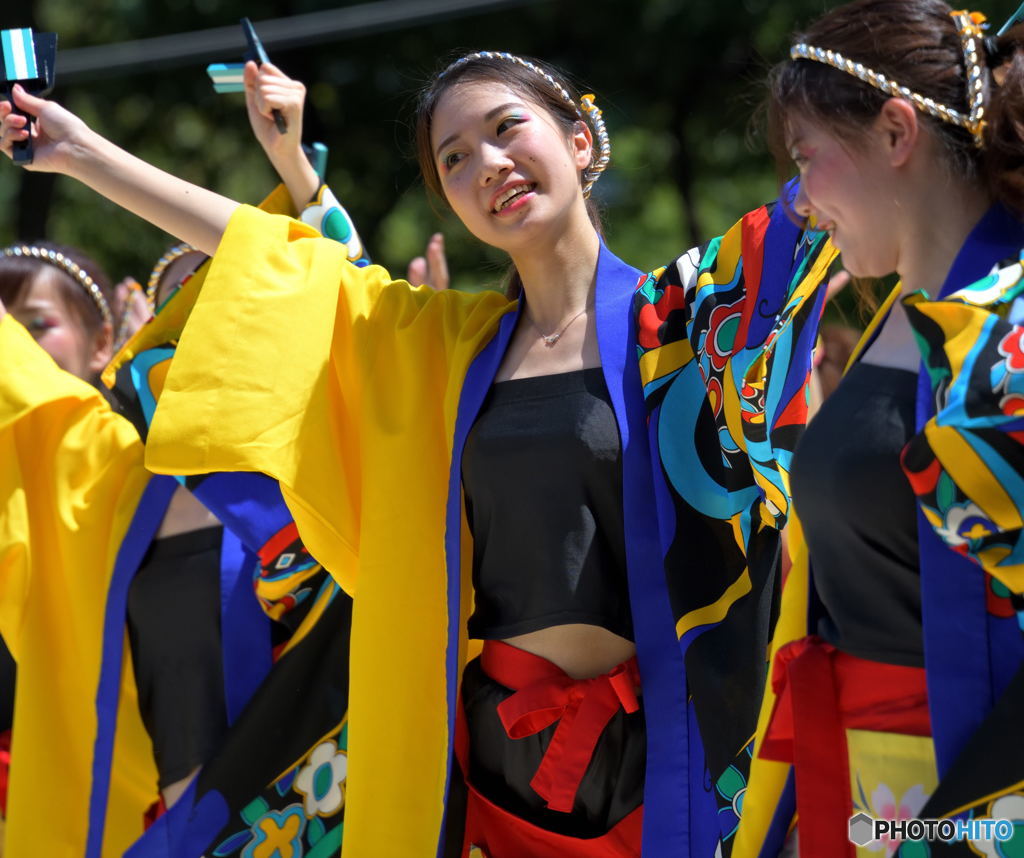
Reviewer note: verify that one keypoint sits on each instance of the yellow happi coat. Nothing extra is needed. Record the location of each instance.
(373, 372)
(71, 475)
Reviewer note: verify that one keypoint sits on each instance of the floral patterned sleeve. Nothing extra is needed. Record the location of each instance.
(967, 465)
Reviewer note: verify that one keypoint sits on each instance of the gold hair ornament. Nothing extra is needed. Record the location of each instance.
(969, 26)
(586, 109)
(69, 267)
(604, 147)
(175, 252)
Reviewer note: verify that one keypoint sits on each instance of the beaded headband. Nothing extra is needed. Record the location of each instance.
(175, 252)
(586, 109)
(969, 27)
(69, 267)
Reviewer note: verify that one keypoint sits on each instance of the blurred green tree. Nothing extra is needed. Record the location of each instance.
(678, 83)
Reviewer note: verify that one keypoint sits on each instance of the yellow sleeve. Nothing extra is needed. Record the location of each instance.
(271, 370)
(67, 459)
(71, 475)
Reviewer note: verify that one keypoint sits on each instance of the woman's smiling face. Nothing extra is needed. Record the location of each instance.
(508, 169)
(846, 187)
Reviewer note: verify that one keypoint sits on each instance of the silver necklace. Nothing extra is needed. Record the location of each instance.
(551, 339)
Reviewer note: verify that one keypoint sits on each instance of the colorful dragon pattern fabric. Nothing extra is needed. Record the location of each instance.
(724, 341)
(967, 469)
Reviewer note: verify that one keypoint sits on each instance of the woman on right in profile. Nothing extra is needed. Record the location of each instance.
(897, 686)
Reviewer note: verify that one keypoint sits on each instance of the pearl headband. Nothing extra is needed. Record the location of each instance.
(969, 26)
(69, 267)
(585, 110)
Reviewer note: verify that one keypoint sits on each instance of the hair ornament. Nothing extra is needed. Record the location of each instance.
(175, 252)
(586, 109)
(969, 26)
(512, 58)
(69, 267)
(603, 155)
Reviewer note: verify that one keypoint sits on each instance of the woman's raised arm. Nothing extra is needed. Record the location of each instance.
(64, 144)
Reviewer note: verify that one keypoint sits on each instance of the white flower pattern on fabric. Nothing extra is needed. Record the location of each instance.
(885, 806)
(963, 523)
(321, 780)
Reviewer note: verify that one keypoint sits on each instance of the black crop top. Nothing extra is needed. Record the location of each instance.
(542, 472)
(174, 632)
(859, 515)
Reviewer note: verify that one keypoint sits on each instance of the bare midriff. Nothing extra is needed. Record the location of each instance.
(581, 650)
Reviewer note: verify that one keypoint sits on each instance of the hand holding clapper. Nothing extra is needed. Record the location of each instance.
(28, 59)
(227, 77)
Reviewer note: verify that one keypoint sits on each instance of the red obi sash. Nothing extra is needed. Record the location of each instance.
(545, 694)
(820, 693)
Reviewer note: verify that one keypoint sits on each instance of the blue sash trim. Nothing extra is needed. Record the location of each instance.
(186, 830)
(245, 629)
(249, 505)
(965, 671)
(477, 382)
(785, 811)
(705, 828)
(252, 510)
(143, 528)
(667, 823)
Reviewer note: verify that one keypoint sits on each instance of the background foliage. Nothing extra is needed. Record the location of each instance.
(679, 81)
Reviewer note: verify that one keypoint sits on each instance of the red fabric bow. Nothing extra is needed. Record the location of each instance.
(546, 694)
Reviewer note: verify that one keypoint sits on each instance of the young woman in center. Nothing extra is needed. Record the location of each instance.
(481, 474)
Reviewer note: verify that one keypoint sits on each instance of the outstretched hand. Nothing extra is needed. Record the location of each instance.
(431, 270)
(267, 89)
(54, 133)
(64, 144)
